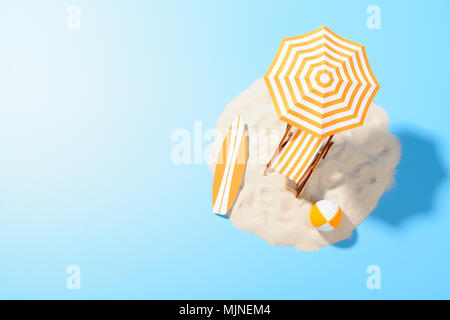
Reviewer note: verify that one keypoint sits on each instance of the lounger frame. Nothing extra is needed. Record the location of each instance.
(308, 172)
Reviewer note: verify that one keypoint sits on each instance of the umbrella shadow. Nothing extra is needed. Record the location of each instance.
(419, 175)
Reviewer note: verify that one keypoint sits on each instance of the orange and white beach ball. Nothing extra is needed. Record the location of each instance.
(325, 215)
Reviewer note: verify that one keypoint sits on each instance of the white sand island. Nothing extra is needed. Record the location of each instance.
(358, 169)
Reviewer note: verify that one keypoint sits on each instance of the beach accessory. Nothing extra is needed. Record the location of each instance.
(230, 167)
(325, 215)
(320, 84)
(298, 155)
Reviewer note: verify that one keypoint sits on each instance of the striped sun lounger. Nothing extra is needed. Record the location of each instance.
(297, 155)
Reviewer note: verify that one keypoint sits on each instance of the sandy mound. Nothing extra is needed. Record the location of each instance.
(356, 172)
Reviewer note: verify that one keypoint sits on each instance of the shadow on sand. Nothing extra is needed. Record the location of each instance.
(418, 177)
(348, 243)
(417, 180)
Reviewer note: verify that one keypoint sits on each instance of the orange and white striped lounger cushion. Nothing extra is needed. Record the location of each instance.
(297, 155)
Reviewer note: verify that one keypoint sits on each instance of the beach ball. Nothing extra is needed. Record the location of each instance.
(325, 215)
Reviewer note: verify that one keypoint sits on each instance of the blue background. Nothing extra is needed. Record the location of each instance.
(86, 177)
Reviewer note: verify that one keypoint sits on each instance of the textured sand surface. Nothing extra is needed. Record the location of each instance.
(357, 171)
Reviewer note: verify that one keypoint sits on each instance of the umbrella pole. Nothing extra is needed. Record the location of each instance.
(313, 166)
(280, 147)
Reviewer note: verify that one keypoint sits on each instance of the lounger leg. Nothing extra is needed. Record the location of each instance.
(327, 149)
(303, 184)
(313, 166)
(280, 147)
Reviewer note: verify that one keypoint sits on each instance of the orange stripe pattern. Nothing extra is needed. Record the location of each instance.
(321, 83)
(297, 155)
(230, 167)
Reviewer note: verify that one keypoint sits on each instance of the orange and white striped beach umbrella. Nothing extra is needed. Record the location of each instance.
(321, 83)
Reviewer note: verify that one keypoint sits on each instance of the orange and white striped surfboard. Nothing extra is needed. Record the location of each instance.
(230, 167)
(297, 155)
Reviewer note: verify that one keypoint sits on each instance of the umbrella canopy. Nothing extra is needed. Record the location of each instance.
(321, 83)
